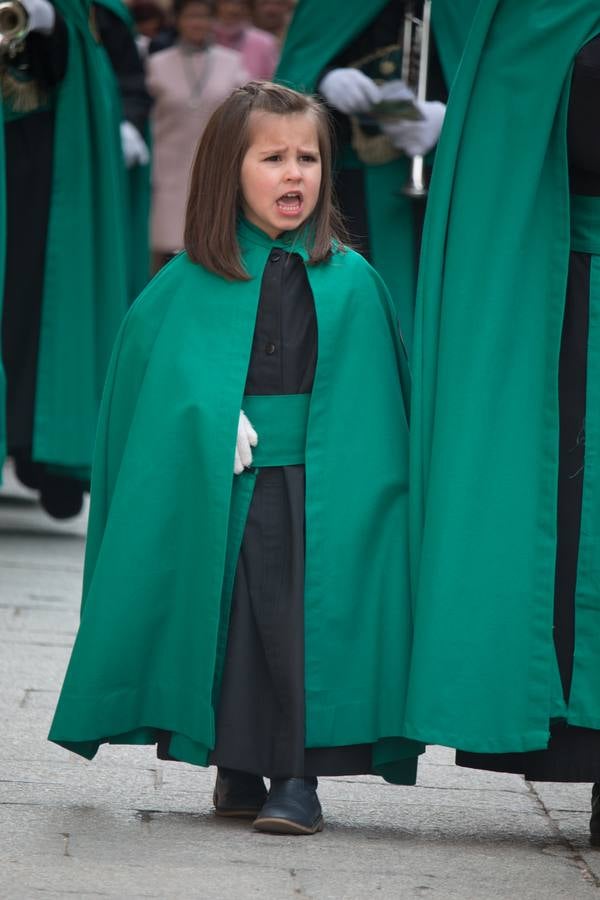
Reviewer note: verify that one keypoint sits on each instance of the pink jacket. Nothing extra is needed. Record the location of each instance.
(259, 49)
(178, 120)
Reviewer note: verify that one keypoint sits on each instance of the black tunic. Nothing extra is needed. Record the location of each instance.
(125, 61)
(261, 710)
(573, 753)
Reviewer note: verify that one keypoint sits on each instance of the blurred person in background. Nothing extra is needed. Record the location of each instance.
(349, 50)
(233, 29)
(272, 16)
(66, 277)
(187, 81)
(150, 23)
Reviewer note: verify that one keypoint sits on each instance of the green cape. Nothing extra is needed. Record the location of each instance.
(137, 192)
(159, 555)
(85, 285)
(318, 32)
(484, 432)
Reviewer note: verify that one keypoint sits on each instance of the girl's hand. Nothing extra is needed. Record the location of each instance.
(246, 439)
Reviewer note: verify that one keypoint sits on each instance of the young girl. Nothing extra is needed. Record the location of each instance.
(256, 619)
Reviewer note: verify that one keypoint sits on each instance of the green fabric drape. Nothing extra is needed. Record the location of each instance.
(161, 530)
(484, 432)
(137, 192)
(318, 32)
(85, 286)
(451, 24)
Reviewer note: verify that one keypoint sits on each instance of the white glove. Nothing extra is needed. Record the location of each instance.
(41, 16)
(396, 90)
(247, 438)
(417, 138)
(349, 90)
(135, 151)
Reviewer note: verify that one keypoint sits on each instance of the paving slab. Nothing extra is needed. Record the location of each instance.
(128, 825)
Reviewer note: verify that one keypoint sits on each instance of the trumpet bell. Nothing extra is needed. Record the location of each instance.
(14, 22)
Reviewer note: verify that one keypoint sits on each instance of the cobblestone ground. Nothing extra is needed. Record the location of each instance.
(130, 826)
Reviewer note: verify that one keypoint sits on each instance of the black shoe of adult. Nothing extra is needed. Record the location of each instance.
(595, 820)
(238, 794)
(292, 807)
(27, 472)
(61, 497)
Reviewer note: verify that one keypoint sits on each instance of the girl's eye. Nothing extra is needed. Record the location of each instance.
(274, 158)
(308, 157)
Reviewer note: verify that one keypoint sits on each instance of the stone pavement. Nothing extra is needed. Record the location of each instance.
(130, 826)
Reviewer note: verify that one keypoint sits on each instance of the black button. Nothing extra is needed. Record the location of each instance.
(275, 257)
(270, 348)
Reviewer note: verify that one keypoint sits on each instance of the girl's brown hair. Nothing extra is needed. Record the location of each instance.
(215, 201)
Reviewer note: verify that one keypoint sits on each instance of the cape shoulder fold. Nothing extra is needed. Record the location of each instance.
(319, 31)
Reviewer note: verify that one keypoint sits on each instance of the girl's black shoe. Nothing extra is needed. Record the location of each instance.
(292, 807)
(238, 794)
(595, 820)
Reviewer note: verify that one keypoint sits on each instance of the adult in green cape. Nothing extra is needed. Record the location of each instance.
(83, 294)
(506, 655)
(169, 555)
(325, 36)
(116, 29)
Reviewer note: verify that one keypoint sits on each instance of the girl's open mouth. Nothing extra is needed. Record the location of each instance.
(290, 204)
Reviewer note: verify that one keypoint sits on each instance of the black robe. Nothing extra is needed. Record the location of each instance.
(573, 753)
(29, 151)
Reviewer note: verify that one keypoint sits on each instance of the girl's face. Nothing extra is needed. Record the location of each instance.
(281, 171)
(194, 23)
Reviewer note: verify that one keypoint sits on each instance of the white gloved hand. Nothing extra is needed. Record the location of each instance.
(417, 138)
(396, 90)
(349, 90)
(41, 16)
(135, 151)
(247, 438)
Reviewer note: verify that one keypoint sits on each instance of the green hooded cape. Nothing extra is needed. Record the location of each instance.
(164, 531)
(318, 32)
(85, 287)
(484, 431)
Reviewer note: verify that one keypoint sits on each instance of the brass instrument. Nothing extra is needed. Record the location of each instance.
(415, 70)
(14, 23)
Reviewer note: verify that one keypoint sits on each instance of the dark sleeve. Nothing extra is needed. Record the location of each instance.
(44, 56)
(583, 131)
(127, 65)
